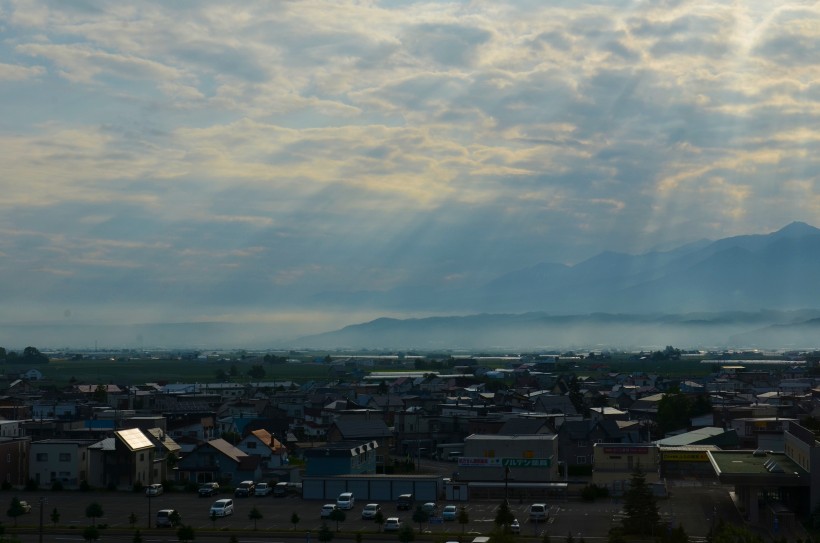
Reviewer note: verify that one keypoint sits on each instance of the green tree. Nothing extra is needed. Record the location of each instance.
(678, 535)
(91, 533)
(186, 533)
(94, 511)
(406, 533)
(575, 395)
(255, 515)
(257, 371)
(325, 533)
(31, 355)
(420, 516)
(463, 518)
(294, 519)
(503, 516)
(55, 517)
(337, 516)
(379, 520)
(640, 506)
(673, 412)
(729, 533)
(501, 535)
(15, 509)
(175, 518)
(100, 394)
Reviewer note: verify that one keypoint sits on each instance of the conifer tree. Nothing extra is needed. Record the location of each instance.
(640, 506)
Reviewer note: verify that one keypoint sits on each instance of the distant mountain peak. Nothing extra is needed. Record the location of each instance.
(797, 229)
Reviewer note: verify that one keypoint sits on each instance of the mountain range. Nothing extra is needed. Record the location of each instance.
(753, 291)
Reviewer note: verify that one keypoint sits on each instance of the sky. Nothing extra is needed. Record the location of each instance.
(228, 161)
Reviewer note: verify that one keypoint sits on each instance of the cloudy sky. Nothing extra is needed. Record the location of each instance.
(234, 161)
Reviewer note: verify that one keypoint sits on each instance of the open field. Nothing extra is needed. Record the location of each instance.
(135, 371)
(127, 371)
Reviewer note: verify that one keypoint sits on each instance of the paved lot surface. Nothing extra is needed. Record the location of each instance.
(694, 505)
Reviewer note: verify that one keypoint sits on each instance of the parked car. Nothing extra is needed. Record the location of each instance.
(430, 508)
(405, 502)
(209, 489)
(370, 510)
(263, 489)
(345, 500)
(26, 506)
(245, 489)
(164, 518)
(450, 512)
(222, 508)
(280, 490)
(154, 490)
(392, 524)
(538, 512)
(515, 527)
(327, 509)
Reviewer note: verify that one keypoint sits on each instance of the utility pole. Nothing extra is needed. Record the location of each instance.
(506, 482)
(42, 501)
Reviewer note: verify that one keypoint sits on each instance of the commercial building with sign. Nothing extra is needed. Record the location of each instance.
(613, 464)
(686, 462)
(510, 459)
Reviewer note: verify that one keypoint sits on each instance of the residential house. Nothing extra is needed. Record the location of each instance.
(128, 463)
(577, 438)
(272, 453)
(14, 460)
(218, 460)
(64, 460)
(342, 458)
(363, 428)
(166, 455)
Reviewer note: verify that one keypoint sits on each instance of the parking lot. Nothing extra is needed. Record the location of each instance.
(693, 506)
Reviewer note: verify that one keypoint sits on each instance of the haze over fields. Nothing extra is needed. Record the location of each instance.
(258, 172)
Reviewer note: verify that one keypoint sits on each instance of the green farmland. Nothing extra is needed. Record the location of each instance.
(134, 371)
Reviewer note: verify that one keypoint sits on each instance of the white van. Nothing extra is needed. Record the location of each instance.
(538, 512)
(345, 500)
(222, 508)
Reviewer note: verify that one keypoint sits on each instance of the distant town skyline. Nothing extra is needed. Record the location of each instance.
(246, 162)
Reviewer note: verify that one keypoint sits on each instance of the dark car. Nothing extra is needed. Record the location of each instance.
(209, 489)
(405, 502)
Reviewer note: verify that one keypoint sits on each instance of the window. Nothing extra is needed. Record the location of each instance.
(142, 457)
(65, 457)
(581, 444)
(580, 459)
(42, 457)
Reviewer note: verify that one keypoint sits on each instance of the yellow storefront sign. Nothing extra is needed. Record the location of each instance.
(686, 456)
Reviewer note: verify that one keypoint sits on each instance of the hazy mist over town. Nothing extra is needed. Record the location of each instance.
(511, 175)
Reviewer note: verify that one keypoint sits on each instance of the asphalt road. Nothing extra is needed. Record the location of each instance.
(693, 505)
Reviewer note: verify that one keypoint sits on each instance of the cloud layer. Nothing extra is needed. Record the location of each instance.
(202, 160)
